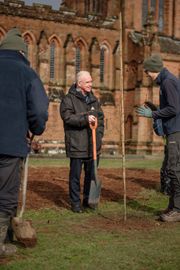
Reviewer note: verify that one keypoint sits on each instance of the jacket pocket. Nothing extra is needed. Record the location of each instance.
(78, 141)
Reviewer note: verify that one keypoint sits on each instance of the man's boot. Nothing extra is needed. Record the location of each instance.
(5, 249)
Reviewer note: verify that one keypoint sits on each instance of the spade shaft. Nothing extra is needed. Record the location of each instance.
(95, 188)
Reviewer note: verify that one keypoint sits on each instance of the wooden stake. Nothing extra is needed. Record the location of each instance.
(122, 115)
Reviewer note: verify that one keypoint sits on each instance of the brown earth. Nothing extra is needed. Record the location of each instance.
(48, 188)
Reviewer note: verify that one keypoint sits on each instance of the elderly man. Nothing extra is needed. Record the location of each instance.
(78, 110)
(23, 108)
(169, 113)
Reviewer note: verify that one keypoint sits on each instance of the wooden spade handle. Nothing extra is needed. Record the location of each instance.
(93, 128)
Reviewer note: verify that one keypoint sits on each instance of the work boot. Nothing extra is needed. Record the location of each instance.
(5, 249)
(76, 208)
(10, 231)
(165, 211)
(172, 216)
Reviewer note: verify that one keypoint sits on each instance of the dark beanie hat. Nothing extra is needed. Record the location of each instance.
(13, 41)
(153, 63)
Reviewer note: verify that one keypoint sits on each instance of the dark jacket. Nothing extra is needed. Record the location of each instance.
(169, 110)
(74, 110)
(158, 128)
(23, 103)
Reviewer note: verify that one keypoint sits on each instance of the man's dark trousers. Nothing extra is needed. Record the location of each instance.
(165, 180)
(10, 172)
(74, 179)
(173, 169)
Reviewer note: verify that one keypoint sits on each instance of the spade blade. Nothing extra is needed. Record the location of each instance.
(95, 191)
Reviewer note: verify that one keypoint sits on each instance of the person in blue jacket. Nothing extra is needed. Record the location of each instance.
(158, 129)
(169, 113)
(23, 108)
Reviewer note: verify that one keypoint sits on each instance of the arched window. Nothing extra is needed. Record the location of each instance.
(144, 11)
(158, 7)
(87, 7)
(96, 8)
(78, 59)
(52, 60)
(102, 64)
(161, 15)
(153, 4)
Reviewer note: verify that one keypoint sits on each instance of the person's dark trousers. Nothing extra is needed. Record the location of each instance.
(88, 176)
(10, 175)
(165, 180)
(173, 169)
(74, 179)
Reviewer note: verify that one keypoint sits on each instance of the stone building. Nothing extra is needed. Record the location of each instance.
(84, 35)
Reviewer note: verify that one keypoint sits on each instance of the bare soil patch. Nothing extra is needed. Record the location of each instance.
(48, 188)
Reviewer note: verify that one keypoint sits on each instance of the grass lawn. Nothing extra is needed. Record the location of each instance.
(152, 163)
(66, 241)
(102, 240)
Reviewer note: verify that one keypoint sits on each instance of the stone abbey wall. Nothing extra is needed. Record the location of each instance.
(89, 30)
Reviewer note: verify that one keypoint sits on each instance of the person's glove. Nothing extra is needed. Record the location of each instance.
(143, 111)
(152, 106)
(93, 112)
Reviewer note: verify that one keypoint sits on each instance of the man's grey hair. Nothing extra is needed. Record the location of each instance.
(81, 74)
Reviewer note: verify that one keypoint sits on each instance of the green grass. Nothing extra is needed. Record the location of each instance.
(48, 162)
(70, 241)
(102, 240)
(131, 163)
(104, 163)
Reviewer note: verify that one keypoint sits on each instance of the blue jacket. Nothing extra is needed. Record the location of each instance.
(23, 103)
(158, 128)
(169, 110)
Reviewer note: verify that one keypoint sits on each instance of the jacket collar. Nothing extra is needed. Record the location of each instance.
(162, 75)
(13, 54)
(78, 94)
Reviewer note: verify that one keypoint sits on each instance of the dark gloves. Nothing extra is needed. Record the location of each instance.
(94, 112)
(151, 105)
(143, 111)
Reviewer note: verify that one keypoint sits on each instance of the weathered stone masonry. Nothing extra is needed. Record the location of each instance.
(85, 35)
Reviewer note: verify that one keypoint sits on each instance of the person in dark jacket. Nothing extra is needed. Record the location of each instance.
(169, 112)
(158, 129)
(78, 110)
(23, 109)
